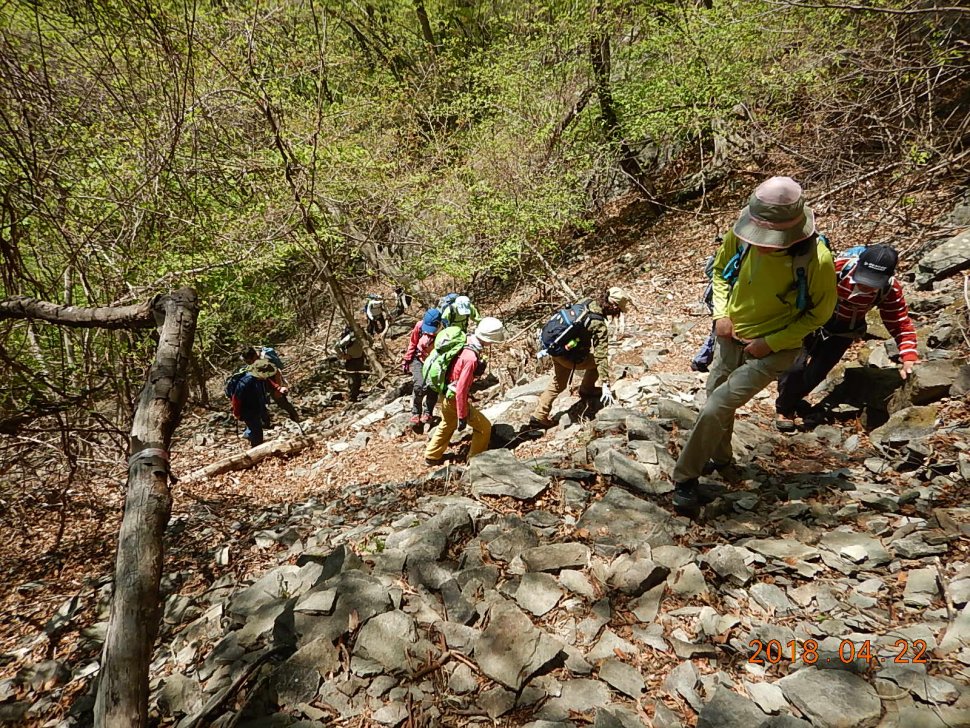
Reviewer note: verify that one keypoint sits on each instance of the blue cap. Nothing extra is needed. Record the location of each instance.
(432, 319)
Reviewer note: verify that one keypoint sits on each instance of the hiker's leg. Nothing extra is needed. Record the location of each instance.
(443, 432)
(825, 356)
(560, 377)
(481, 431)
(430, 400)
(587, 387)
(355, 368)
(284, 404)
(710, 437)
(419, 389)
(791, 383)
(254, 428)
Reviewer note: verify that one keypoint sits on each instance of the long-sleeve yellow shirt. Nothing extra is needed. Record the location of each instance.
(762, 301)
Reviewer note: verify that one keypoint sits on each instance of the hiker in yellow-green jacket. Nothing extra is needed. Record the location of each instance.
(774, 283)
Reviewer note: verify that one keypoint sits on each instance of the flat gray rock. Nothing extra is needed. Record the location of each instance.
(951, 256)
(498, 473)
(728, 562)
(683, 681)
(688, 581)
(778, 548)
(557, 556)
(646, 607)
(957, 635)
(511, 650)
(768, 696)
(634, 575)
(577, 695)
(577, 583)
(906, 425)
(833, 698)
(622, 519)
(622, 677)
(512, 543)
(275, 585)
(385, 639)
(921, 588)
(856, 547)
(608, 645)
(182, 695)
(770, 598)
(644, 478)
(727, 709)
(538, 593)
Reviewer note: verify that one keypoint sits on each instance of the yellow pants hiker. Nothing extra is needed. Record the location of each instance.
(481, 431)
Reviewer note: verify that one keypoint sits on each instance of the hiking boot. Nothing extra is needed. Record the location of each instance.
(433, 462)
(729, 471)
(686, 502)
(690, 495)
(540, 424)
(785, 422)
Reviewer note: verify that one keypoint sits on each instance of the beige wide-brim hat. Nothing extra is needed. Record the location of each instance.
(776, 215)
(262, 369)
(620, 298)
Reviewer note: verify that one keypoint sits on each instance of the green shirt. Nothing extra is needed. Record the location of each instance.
(762, 301)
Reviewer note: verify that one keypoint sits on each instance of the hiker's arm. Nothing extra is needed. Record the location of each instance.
(475, 316)
(463, 384)
(729, 246)
(895, 316)
(600, 343)
(823, 294)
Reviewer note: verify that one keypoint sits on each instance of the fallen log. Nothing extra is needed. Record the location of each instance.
(245, 460)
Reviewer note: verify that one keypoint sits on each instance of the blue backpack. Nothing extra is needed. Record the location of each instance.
(268, 352)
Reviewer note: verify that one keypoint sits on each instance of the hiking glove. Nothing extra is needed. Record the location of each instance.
(542, 354)
(462, 424)
(406, 367)
(607, 398)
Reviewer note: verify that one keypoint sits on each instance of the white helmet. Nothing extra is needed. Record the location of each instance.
(490, 330)
(463, 305)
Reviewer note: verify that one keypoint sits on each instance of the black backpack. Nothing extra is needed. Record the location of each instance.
(566, 333)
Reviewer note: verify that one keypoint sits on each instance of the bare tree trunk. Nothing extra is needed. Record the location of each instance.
(600, 60)
(425, 23)
(122, 699)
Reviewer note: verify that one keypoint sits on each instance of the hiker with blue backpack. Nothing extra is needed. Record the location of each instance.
(423, 399)
(865, 280)
(450, 369)
(277, 393)
(774, 283)
(577, 337)
(248, 396)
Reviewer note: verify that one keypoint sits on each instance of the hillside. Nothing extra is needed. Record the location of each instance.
(841, 535)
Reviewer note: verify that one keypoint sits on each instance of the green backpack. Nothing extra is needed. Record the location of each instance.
(447, 345)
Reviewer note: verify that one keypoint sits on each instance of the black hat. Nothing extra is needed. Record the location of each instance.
(876, 266)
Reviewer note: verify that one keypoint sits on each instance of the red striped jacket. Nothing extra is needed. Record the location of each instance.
(854, 303)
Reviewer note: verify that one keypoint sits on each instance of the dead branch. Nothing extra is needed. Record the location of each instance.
(247, 459)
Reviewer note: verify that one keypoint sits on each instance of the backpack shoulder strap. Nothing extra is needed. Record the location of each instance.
(802, 270)
(733, 266)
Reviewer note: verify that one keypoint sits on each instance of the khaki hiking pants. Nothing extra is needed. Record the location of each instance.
(481, 430)
(734, 379)
(562, 368)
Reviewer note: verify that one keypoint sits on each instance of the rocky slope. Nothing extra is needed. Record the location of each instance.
(547, 583)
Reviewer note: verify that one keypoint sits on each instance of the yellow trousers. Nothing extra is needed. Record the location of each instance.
(481, 430)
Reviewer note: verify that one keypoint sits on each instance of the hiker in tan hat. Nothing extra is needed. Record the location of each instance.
(774, 283)
(578, 338)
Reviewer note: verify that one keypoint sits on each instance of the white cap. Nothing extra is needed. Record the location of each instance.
(463, 304)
